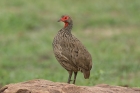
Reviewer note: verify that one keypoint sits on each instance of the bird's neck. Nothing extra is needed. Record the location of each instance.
(68, 27)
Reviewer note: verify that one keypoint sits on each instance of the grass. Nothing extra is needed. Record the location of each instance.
(109, 30)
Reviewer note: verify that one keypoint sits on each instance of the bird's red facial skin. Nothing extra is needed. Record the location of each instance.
(66, 24)
(64, 19)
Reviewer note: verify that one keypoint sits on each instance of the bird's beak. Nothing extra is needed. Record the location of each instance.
(59, 20)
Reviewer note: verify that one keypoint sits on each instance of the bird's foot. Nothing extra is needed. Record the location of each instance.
(69, 81)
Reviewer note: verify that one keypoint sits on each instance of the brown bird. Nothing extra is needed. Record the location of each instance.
(70, 52)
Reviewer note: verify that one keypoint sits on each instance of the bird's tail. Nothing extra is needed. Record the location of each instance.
(86, 74)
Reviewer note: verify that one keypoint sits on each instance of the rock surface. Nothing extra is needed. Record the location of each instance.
(45, 86)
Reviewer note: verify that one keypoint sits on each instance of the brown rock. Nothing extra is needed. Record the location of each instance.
(45, 86)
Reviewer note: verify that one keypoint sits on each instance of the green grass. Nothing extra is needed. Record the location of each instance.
(109, 29)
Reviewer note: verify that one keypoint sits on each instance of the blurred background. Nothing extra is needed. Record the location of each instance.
(110, 30)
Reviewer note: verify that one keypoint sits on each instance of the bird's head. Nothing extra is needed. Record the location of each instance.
(66, 19)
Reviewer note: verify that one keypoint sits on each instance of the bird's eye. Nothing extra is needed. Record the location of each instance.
(65, 17)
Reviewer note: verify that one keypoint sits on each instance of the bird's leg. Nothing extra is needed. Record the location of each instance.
(70, 74)
(75, 74)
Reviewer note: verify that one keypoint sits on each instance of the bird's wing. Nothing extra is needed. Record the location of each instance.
(73, 53)
(80, 56)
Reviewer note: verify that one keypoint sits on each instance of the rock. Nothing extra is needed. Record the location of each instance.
(45, 86)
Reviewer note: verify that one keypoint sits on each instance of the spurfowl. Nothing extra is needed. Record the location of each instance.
(70, 52)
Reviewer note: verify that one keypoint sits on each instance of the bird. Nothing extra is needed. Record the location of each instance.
(70, 52)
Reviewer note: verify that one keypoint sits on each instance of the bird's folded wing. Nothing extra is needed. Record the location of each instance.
(83, 58)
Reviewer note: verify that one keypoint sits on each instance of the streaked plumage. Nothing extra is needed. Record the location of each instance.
(70, 52)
